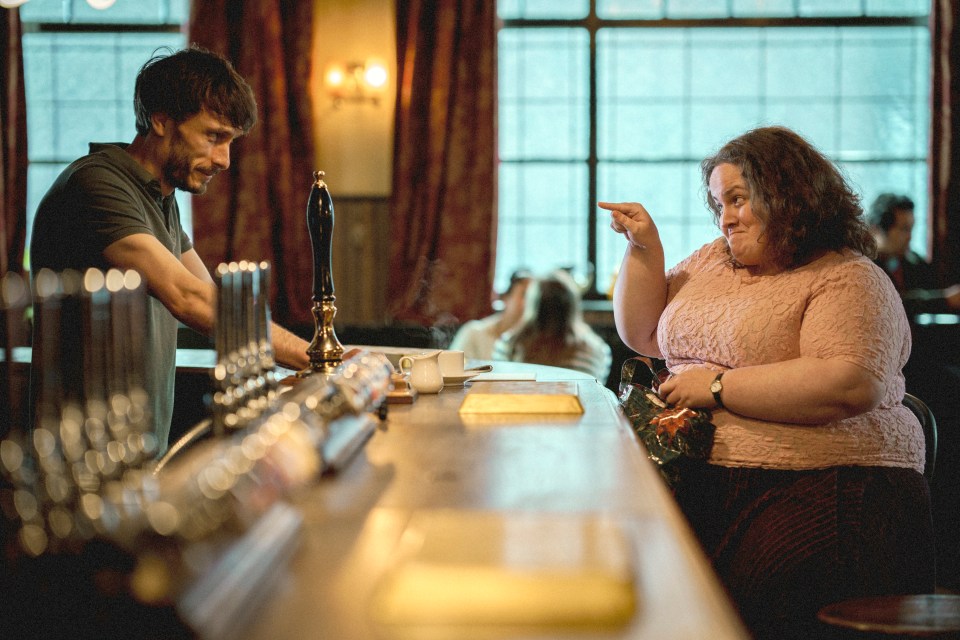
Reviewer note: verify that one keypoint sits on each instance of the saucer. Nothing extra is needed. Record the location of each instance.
(458, 380)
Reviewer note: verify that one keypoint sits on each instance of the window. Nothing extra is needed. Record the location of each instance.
(620, 100)
(80, 65)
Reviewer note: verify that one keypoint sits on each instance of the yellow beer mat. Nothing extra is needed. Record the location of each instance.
(499, 568)
(522, 397)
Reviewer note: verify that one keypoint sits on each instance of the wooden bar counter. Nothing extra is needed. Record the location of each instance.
(426, 459)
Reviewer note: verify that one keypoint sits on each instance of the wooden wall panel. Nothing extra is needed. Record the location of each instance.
(361, 241)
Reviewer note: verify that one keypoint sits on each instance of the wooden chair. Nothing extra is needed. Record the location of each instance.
(918, 615)
(929, 424)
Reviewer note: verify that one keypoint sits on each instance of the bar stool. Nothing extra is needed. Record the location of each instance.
(910, 616)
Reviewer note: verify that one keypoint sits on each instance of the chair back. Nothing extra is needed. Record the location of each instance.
(929, 424)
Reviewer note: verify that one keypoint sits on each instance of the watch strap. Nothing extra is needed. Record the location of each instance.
(717, 389)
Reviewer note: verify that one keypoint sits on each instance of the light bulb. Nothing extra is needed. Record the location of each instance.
(375, 75)
(11, 4)
(101, 4)
(335, 76)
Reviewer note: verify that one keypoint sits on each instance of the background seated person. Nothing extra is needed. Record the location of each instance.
(891, 222)
(477, 337)
(553, 331)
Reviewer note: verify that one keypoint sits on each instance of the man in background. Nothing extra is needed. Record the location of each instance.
(891, 219)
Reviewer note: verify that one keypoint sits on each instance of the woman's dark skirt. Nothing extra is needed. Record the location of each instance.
(786, 543)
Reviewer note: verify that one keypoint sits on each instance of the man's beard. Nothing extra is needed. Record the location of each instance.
(178, 172)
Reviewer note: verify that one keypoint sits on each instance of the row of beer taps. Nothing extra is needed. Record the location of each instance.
(245, 381)
(87, 465)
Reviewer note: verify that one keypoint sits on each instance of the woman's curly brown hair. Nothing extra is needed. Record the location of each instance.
(800, 196)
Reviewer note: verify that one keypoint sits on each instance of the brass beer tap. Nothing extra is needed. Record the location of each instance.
(325, 350)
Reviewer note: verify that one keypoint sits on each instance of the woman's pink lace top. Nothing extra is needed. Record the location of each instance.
(838, 306)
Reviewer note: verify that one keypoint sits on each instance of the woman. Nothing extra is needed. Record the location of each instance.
(553, 332)
(795, 340)
(476, 338)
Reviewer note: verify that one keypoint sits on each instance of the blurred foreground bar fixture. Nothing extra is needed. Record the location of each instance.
(244, 380)
(83, 496)
(325, 350)
(14, 298)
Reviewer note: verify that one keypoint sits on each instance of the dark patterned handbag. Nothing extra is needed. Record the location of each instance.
(668, 433)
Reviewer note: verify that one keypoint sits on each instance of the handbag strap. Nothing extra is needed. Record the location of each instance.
(643, 370)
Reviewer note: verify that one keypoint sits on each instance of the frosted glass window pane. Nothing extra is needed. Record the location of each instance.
(825, 8)
(80, 124)
(543, 9)
(696, 9)
(871, 57)
(122, 12)
(878, 128)
(898, 7)
(542, 223)
(814, 119)
(801, 62)
(725, 63)
(651, 130)
(641, 63)
(543, 63)
(763, 8)
(544, 93)
(44, 11)
(545, 131)
(627, 9)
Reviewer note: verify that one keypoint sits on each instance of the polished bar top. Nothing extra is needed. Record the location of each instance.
(426, 458)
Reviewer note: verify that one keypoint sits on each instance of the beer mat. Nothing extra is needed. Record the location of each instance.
(459, 567)
(401, 396)
(494, 397)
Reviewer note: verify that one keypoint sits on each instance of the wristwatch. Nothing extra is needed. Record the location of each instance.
(716, 388)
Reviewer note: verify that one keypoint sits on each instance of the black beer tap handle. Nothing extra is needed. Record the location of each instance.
(320, 225)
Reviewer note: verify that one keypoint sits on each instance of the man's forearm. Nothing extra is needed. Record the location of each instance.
(289, 349)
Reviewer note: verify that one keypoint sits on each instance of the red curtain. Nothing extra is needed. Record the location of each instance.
(444, 201)
(945, 138)
(257, 209)
(13, 138)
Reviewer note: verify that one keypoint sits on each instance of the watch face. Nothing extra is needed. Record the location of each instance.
(716, 386)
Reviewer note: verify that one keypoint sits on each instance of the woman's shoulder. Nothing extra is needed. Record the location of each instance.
(846, 264)
(851, 272)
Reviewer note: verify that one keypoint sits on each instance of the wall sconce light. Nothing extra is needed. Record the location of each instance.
(355, 81)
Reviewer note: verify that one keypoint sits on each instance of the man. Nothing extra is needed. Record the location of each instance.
(477, 337)
(115, 207)
(891, 220)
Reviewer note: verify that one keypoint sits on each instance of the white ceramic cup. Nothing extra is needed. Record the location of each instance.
(451, 363)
